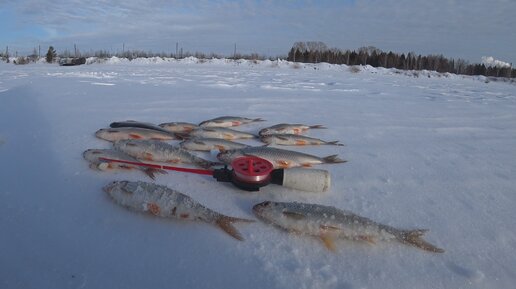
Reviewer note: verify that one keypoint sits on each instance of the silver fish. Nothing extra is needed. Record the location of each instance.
(280, 158)
(208, 144)
(133, 123)
(121, 133)
(288, 128)
(179, 127)
(217, 132)
(329, 223)
(295, 140)
(164, 202)
(97, 157)
(227, 121)
(159, 151)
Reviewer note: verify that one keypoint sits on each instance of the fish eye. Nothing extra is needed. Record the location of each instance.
(266, 204)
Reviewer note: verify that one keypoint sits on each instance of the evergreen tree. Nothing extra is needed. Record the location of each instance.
(51, 54)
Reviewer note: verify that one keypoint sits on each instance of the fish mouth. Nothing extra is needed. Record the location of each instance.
(258, 208)
(109, 187)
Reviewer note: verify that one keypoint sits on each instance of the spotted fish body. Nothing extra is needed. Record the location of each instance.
(178, 127)
(208, 144)
(97, 157)
(288, 128)
(280, 158)
(164, 202)
(228, 121)
(158, 151)
(122, 133)
(133, 123)
(295, 140)
(330, 223)
(218, 132)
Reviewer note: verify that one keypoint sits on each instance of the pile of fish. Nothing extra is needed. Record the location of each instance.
(137, 145)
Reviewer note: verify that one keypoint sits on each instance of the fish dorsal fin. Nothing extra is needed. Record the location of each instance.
(328, 242)
(293, 215)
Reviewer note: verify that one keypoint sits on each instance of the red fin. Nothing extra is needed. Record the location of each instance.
(328, 242)
(135, 136)
(153, 208)
(224, 222)
(301, 142)
(148, 157)
(283, 164)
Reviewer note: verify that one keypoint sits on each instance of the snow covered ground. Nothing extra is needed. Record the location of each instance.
(435, 152)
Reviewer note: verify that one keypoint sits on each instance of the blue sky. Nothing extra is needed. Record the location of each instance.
(455, 28)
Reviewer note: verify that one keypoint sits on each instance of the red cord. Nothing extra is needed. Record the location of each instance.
(186, 170)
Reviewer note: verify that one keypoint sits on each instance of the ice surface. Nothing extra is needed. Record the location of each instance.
(434, 151)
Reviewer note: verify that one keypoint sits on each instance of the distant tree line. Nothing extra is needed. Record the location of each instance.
(315, 52)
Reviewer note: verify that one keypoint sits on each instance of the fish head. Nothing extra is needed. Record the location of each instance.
(265, 131)
(116, 188)
(229, 155)
(92, 155)
(106, 133)
(266, 139)
(268, 211)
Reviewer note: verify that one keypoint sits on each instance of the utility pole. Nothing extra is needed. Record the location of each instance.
(75, 49)
(234, 53)
(177, 45)
(39, 51)
(123, 48)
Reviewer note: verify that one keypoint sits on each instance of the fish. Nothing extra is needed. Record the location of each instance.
(208, 144)
(296, 140)
(227, 121)
(96, 159)
(121, 133)
(158, 151)
(288, 128)
(179, 127)
(279, 158)
(216, 132)
(164, 202)
(133, 123)
(329, 223)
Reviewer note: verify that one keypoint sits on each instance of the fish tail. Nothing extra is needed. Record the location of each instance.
(414, 238)
(151, 171)
(225, 223)
(335, 143)
(319, 126)
(333, 159)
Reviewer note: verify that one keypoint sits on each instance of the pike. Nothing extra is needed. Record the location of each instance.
(97, 157)
(133, 123)
(295, 140)
(329, 223)
(288, 128)
(280, 158)
(216, 132)
(227, 121)
(122, 133)
(178, 127)
(158, 151)
(208, 144)
(164, 202)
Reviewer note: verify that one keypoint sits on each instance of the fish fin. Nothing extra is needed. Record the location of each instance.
(328, 242)
(414, 238)
(301, 142)
(153, 208)
(225, 223)
(297, 131)
(258, 119)
(151, 171)
(333, 159)
(318, 126)
(293, 215)
(335, 143)
(235, 123)
(148, 156)
(135, 136)
(221, 148)
(283, 164)
(228, 136)
(306, 165)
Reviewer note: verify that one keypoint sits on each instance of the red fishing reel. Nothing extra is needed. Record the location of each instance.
(248, 173)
